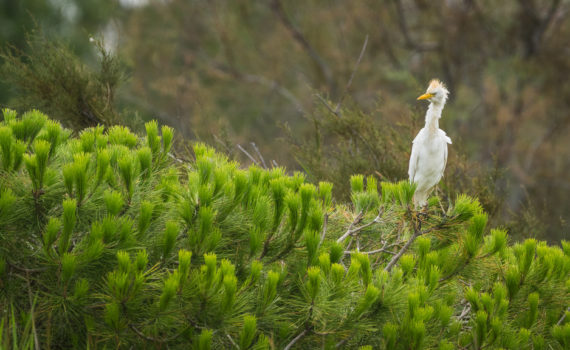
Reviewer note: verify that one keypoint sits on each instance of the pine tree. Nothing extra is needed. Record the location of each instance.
(107, 241)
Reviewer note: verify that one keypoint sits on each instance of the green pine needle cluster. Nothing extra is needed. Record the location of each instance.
(107, 241)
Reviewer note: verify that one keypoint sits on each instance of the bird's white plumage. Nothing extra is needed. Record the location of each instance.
(429, 148)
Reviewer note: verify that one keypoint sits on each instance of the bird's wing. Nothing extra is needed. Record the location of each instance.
(444, 136)
(444, 159)
(414, 157)
(446, 140)
(413, 163)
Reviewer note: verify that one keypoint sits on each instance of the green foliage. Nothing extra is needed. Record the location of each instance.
(107, 242)
(48, 75)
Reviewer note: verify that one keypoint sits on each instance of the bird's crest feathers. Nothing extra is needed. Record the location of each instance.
(435, 83)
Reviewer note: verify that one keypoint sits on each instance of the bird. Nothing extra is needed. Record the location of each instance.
(429, 148)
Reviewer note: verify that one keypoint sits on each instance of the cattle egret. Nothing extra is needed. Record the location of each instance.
(429, 148)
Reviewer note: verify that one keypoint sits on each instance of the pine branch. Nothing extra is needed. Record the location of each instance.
(155, 340)
(381, 250)
(143, 336)
(563, 317)
(352, 75)
(32, 312)
(323, 234)
(417, 233)
(232, 340)
(296, 339)
(351, 231)
(23, 269)
(397, 257)
(456, 271)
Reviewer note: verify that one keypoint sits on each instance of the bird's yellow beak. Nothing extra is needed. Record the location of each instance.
(425, 96)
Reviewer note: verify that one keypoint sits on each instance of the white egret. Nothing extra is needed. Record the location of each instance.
(429, 148)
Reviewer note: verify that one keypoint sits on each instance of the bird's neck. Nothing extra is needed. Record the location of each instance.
(432, 116)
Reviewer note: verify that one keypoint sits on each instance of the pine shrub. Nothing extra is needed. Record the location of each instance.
(107, 241)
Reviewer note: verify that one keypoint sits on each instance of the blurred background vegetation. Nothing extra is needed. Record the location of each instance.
(324, 86)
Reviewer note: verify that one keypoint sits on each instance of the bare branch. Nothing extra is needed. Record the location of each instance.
(296, 339)
(354, 222)
(324, 102)
(545, 23)
(464, 312)
(397, 257)
(258, 79)
(259, 154)
(272, 84)
(351, 231)
(384, 249)
(247, 154)
(155, 340)
(352, 75)
(563, 317)
(143, 336)
(455, 272)
(232, 340)
(417, 232)
(325, 222)
(341, 343)
(410, 43)
(26, 270)
(324, 69)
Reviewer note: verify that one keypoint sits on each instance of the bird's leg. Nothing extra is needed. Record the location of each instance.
(440, 205)
(420, 214)
(424, 210)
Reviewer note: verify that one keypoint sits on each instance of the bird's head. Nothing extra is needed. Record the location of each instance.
(435, 93)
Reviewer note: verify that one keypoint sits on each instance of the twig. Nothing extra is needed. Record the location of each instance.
(464, 312)
(354, 222)
(352, 75)
(347, 251)
(154, 340)
(218, 140)
(32, 311)
(563, 317)
(232, 340)
(454, 272)
(411, 44)
(324, 102)
(143, 336)
(296, 339)
(176, 159)
(247, 154)
(257, 79)
(402, 251)
(381, 250)
(272, 84)
(352, 231)
(298, 36)
(417, 233)
(259, 154)
(26, 270)
(341, 343)
(323, 234)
